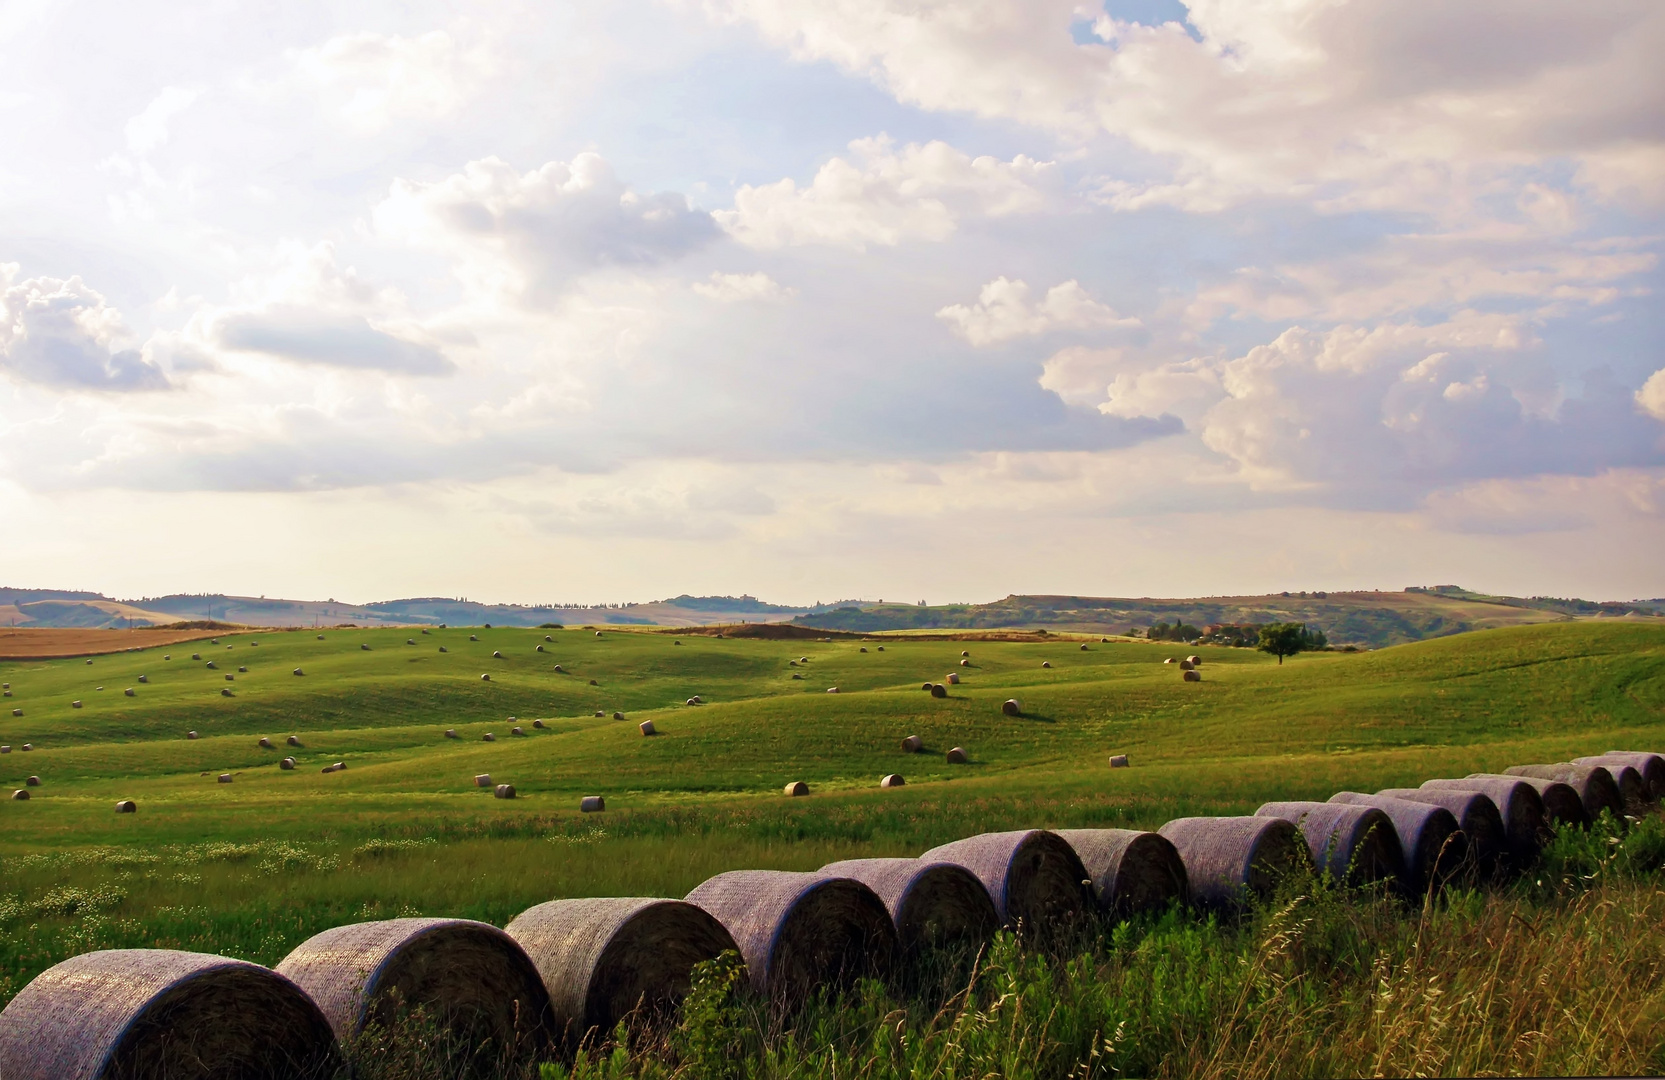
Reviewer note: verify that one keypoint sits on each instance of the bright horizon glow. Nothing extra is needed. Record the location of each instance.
(834, 299)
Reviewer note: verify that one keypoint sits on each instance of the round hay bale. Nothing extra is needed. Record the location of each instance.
(1046, 663)
(225, 778)
(1186, 665)
(264, 743)
(1356, 845)
(1034, 877)
(540, 648)
(599, 714)
(130, 692)
(230, 678)
(17, 712)
(598, 633)
(451, 733)
(1118, 761)
(1650, 765)
(964, 652)
(891, 780)
(1596, 788)
(320, 638)
(470, 978)
(495, 655)
(618, 716)
(5, 749)
(938, 690)
(144, 678)
(606, 958)
(797, 789)
(1194, 659)
(75, 704)
(364, 647)
(190, 734)
(293, 740)
(196, 656)
(443, 649)
(957, 756)
(1476, 815)
(1132, 871)
(646, 727)
(1520, 806)
(410, 641)
(243, 669)
(913, 744)
(1083, 647)
(1228, 858)
(1562, 806)
(952, 678)
(32, 781)
(559, 670)
(226, 692)
(591, 804)
(881, 648)
(594, 683)
(965, 663)
(482, 780)
(1431, 839)
(488, 737)
(518, 730)
(298, 671)
(89, 663)
(546, 637)
(1192, 676)
(1012, 707)
(28, 746)
(832, 689)
(864, 648)
(803, 659)
(21, 795)
(485, 678)
(800, 932)
(287, 764)
(1169, 660)
(157, 1013)
(537, 723)
(503, 791)
(127, 806)
(931, 903)
(473, 637)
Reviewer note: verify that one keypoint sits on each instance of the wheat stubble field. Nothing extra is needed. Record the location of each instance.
(252, 867)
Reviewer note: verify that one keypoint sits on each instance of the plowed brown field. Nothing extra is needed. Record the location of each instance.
(18, 643)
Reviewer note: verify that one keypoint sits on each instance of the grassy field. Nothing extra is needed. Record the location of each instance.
(253, 867)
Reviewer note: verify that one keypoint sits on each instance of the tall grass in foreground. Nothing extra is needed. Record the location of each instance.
(1562, 973)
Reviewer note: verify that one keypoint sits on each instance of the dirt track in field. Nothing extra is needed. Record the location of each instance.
(21, 643)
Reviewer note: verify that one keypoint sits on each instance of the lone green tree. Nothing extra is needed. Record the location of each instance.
(1283, 639)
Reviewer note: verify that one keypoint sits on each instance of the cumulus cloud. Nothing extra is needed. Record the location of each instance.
(1004, 311)
(1652, 395)
(517, 232)
(1372, 103)
(734, 288)
(58, 332)
(884, 196)
(371, 80)
(148, 130)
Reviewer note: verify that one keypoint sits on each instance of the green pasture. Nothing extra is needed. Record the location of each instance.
(253, 867)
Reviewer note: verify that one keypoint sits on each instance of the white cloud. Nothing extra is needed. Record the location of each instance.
(734, 288)
(514, 233)
(1003, 311)
(148, 130)
(885, 196)
(369, 80)
(58, 332)
(1652, 395)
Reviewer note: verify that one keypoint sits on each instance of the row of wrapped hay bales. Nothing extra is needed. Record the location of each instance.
(567, 968)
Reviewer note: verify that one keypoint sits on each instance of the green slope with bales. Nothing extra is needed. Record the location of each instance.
(252, 867)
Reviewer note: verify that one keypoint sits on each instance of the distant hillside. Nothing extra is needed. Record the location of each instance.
(62, 608)
(1370, 619)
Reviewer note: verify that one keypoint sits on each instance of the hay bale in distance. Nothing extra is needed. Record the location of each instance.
(21, 795)
(797, 789)
(618, 716)
(287, 764)
(537, 723)
(1430, 838)
(485, 677)
(1033, 876)
(5, 749)
(1597, 790)
(964, 652)
(518, 730)
(1353, 844)
(1561, 802)
(336, 767)
(952, 678)
(604, 958)
(1046, 663)
(864, 648)
(243, 669)
(503, 791)
(881, 648)
(75, 704)
(451, 733)
(938, 690)
(155, 1013)
(32, 781)
(891, 780)
(190, 734)
(599, 714)
(957, 756)
(488, 737)
(1186, 665)
(144, 678)
(1227, 858)
(28, 747)
(1012, 707)
(1194, 659)
(495, 655)
(646, 727)
(1132, 871)
(800, 932)
(1118, 761)
(591, 804)
(364, 646)
(298, 671)
(482, 780)
(913, 744)
(130, 692)
(470, 978)
(1192, 676)
(127, 806)
(931, 903)
(293, 740)
(965, 663)
(1476, 815)
(264, 743)
(832, 689)
(473, 637)
(226, 692)
(1083, 647)
(225, 778)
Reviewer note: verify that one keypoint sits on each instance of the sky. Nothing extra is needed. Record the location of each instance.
(817, 299)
